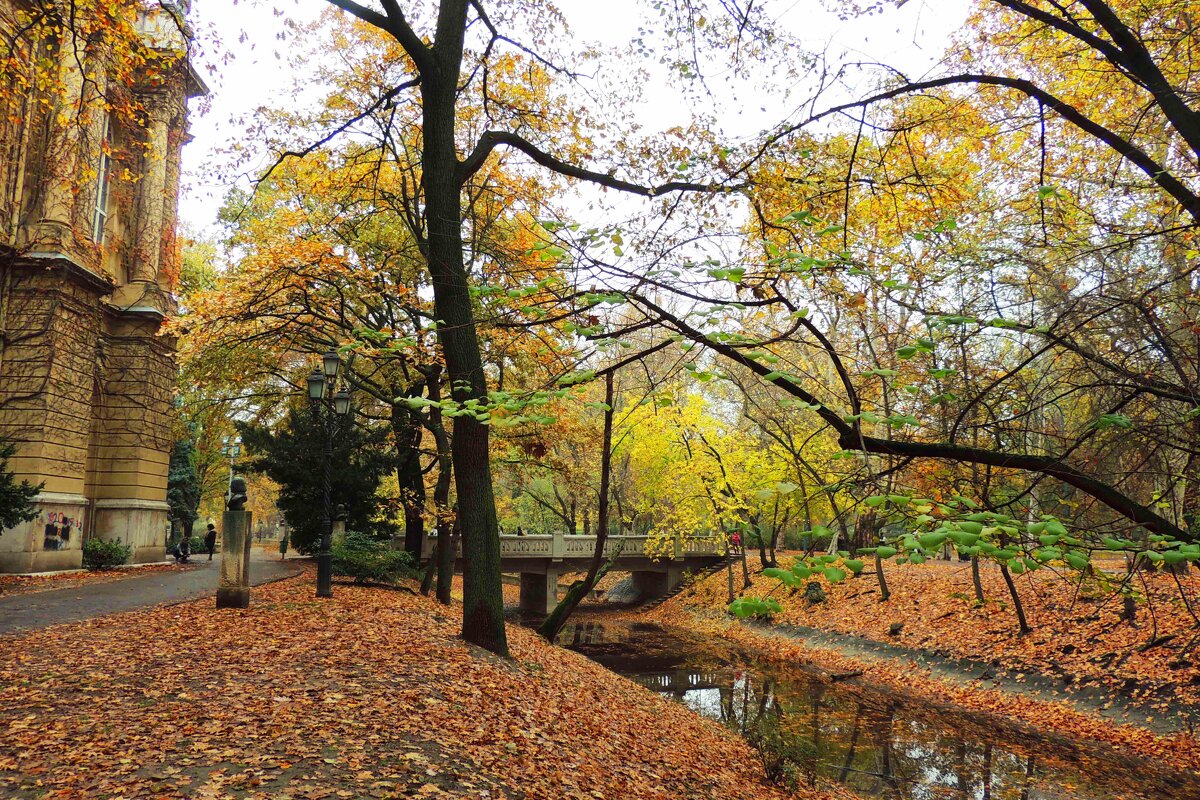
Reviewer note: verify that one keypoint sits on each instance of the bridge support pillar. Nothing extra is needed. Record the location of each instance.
(539, 591)
(657, 583)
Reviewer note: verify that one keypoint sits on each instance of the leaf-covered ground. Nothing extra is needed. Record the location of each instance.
(30, 584)
(1077, 629)
(1077, 632)
(368, 695)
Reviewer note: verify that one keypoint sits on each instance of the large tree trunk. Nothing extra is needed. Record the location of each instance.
(483, 603)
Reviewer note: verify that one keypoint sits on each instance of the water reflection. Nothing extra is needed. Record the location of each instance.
(810, 732)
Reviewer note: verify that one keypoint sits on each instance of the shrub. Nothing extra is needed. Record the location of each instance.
(362, 558)
(105, 553)
(196, 545)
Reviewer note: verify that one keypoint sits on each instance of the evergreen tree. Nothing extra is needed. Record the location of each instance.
(292, 454)
(183, 486)
(16, 499)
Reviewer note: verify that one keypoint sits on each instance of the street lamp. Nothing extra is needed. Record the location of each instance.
(231, 449)
(330, 407)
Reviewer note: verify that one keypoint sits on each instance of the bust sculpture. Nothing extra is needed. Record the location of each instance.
(237, 495)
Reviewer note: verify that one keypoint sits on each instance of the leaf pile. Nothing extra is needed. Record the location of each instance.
(368, 695)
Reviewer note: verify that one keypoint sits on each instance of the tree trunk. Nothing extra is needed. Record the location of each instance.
(1128, 609)
(483, 601)
(975, 580)
(579, 589)
(986, 779)
(762, 542)
(1191, 482)
(406, 427)
(1016, 598)
(444, 555)
(745, 569)
(729, 572)
(865, 531)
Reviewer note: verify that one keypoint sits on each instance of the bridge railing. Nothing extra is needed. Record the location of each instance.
(558, 545)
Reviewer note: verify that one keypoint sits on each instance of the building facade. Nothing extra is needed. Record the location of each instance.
(92, 123)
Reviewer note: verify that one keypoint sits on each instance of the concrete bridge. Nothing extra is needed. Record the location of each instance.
(540, 560)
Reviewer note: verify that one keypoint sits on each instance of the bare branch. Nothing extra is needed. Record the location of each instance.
(492, 139)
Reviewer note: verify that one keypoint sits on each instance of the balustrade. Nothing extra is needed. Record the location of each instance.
(558, 545)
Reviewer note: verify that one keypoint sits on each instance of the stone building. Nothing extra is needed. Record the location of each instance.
(92, 123)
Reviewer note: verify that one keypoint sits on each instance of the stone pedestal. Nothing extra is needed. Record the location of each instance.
(339, 532)
(233, 591)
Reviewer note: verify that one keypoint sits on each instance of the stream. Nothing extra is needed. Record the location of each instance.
(809, 731)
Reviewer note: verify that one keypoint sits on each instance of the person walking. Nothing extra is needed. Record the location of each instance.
(210, 540)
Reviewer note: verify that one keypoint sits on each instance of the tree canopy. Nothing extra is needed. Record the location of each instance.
(905, 303)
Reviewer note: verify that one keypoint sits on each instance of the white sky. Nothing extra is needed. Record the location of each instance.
(251, 75)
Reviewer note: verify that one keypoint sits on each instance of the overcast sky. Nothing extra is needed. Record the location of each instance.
(250, 75)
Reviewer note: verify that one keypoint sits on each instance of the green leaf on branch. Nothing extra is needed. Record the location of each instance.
(834, 575)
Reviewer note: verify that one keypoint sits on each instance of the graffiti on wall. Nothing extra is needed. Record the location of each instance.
(57, 535)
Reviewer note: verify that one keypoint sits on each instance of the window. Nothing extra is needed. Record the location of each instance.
(100, 217)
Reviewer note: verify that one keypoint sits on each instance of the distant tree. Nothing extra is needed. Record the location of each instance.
(16, 499)
(292, 453)
(183, 486)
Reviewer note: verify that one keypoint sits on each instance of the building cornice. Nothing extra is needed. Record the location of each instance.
(77, 272)
(62, 498)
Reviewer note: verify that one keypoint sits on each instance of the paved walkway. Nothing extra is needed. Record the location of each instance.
(42, 609)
